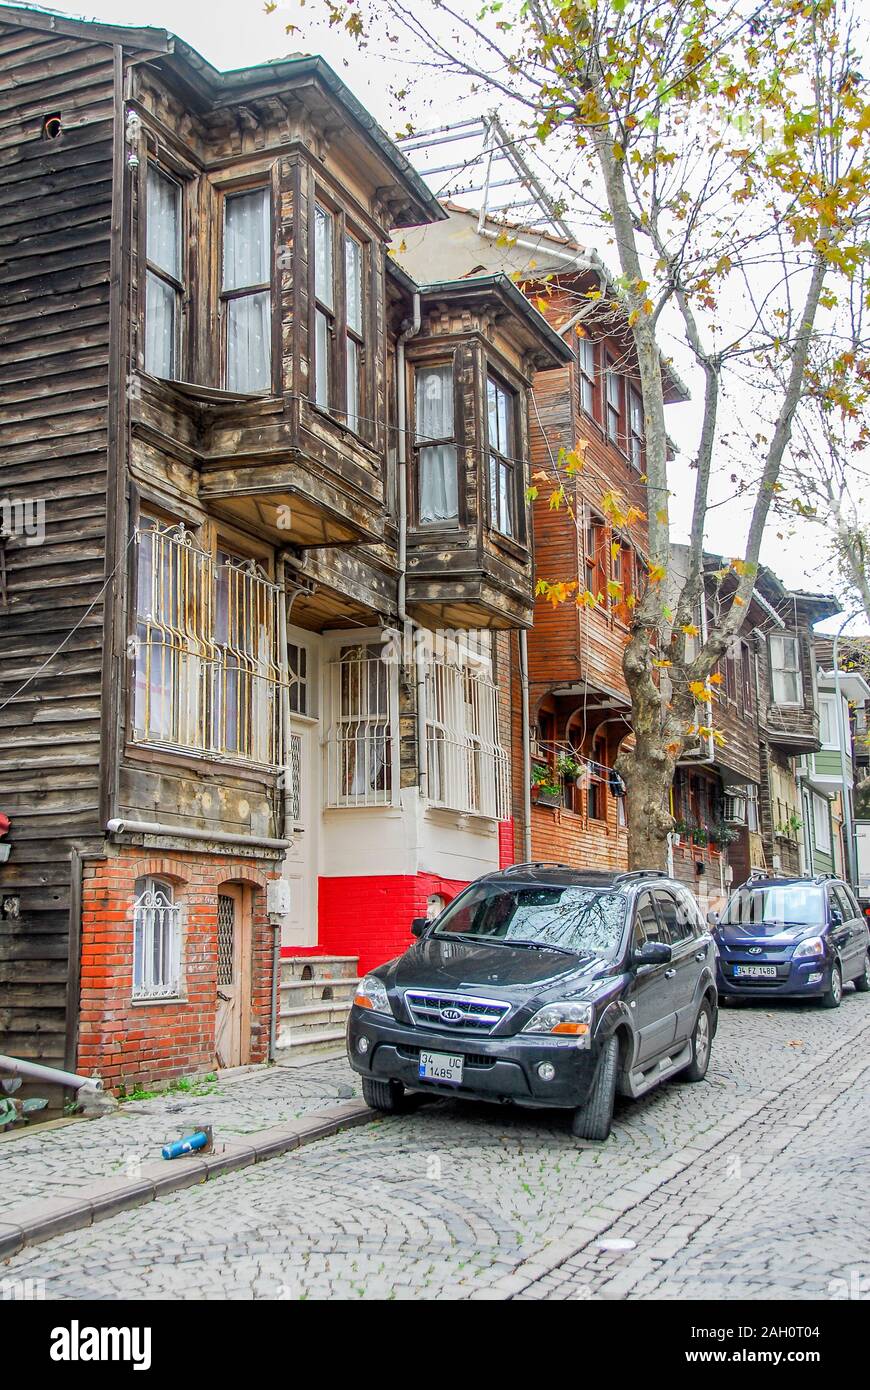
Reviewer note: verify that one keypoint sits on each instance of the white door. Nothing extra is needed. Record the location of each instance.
(233, 978)
(300, 868)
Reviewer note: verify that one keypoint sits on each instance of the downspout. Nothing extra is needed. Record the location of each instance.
(287, 789)
(850, 857)
(402, 485)
(527, 747)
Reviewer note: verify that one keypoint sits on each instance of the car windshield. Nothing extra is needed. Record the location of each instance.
(584, 921)
(785, 905)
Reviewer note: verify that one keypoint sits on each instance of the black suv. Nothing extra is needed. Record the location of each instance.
(546, 986)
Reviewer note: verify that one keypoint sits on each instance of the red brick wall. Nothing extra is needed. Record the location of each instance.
(370, 917)
(127, 1043)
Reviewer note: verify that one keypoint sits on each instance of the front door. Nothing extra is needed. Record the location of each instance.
(233, 978)
(299, 927)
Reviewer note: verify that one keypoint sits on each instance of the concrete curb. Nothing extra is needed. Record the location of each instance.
(39, 1220)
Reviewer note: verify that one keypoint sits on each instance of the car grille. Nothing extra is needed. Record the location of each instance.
(473, 1015)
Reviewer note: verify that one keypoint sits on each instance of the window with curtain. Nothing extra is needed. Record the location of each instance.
(586, 372)
(785, 669)
(324, 305)
(164, 287)
(437, 474)
(636, 429)
(596, 559)
(247, 293)
(354, 310)
(613, 400)
(502, 457)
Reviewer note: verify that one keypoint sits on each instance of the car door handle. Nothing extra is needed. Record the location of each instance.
(700, 955)
(669, 974)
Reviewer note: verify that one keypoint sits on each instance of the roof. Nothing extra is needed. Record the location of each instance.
(817, 606)
(551, 255)
(498, 286)
(206, 85)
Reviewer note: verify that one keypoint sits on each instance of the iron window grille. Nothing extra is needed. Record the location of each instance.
(156, 942)
(360, 741)
(206, 672)
(468, 769)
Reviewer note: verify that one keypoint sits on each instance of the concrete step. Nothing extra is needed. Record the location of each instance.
(313, 1024)
(298, 992)
(317, 1041)
(308, 968)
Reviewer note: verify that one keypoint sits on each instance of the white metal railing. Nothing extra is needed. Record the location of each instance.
(156, 944)
(207, 677)
(360, 739)
(468, 769)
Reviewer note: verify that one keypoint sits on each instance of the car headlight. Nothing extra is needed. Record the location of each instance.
(815, 946)
(371, 993)
(573, 1020)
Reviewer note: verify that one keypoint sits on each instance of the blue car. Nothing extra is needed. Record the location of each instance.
(792, 938)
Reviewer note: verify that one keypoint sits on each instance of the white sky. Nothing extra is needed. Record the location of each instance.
(238, 33)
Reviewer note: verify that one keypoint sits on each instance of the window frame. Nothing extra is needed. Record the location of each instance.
(613, 411)
(783, 670)
(340, 332)
(636, 437)
(595, 557)
(826, 844)
(226, 297)
(587, 380)
(154, 885)
(429, 364)
(151, 268)
(497, 460)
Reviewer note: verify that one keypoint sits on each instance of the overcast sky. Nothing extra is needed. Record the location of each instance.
(237, 33)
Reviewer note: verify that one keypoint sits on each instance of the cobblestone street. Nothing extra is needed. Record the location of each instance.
(743, 1186)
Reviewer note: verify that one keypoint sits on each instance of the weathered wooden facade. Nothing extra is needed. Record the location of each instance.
(260, 450)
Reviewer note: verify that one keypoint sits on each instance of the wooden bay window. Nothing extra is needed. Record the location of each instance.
(246, 294)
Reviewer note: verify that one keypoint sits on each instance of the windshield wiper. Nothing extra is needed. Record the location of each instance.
(541, 946)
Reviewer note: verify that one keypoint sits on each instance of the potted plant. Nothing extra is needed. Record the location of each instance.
(722, 834)
(567, 766)
(546, 786)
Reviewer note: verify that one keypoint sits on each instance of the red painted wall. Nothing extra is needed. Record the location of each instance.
(370, 917)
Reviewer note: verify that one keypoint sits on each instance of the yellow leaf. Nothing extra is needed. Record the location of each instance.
(660, 662)
(614, 588)
(691, 630)
(716, 678)
(701, 691)
(656, 574)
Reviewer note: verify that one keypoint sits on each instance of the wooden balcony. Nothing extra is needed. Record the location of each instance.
(793, 728)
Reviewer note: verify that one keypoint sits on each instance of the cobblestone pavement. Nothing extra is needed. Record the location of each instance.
(744, 1185)
(57, 1162)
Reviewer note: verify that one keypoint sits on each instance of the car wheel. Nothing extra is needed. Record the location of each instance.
(833, 995)
(702, 1039)
(862, 984)
(593, 1120)
(386, 1096)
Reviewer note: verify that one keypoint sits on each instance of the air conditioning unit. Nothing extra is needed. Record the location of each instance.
(699, 748)
(734, 808)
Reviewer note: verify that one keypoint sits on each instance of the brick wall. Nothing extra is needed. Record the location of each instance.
(129, 1043)
(371, 916)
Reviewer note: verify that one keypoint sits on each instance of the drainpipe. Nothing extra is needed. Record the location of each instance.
(849, 846)
(287, 789)
(402, 485)
(119, 825)
(527, 747)
(31, 1071)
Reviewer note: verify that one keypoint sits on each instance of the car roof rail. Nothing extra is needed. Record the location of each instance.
(640, 873)
(537, 864)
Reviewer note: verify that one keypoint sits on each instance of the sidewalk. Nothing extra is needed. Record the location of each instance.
(68, 1175)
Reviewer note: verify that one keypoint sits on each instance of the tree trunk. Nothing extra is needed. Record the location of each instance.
(648, 768)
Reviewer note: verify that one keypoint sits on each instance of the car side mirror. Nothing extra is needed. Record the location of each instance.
(713, 918)
(651, 953)
(419, 925)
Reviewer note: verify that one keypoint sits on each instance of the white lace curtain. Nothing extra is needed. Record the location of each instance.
(246, 263)
(437, 471)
